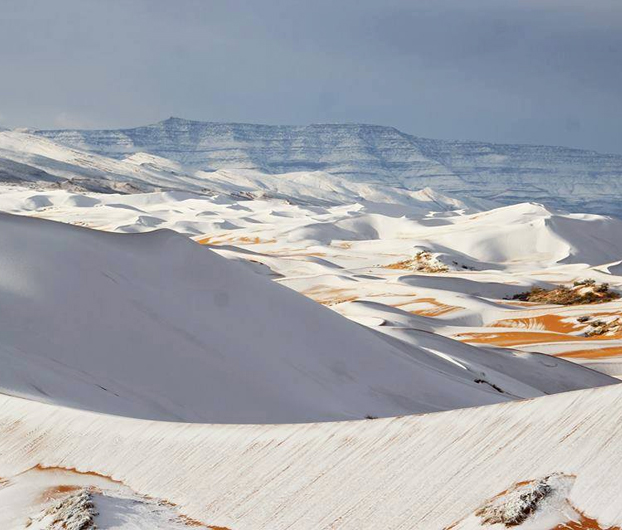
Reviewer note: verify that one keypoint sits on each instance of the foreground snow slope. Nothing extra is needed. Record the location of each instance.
(401, 473)
(510, 173)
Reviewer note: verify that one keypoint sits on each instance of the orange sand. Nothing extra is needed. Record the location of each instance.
(594, 353)
(516, 338)
(553, 323)
(439, 308)
(232, 239)
(583, 523)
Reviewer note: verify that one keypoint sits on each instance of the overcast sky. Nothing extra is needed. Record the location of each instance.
(523, 71)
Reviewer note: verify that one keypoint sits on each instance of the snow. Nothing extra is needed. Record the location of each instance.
(156, 326)
(59, 499)
(425, 471)
(303, 247)
(158, 362)
(532, 505)
(561, 177)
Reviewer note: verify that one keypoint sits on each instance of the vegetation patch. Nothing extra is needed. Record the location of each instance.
(582, 292)
(423, 261)
(73, 512)
(516, 505)
(602, 327)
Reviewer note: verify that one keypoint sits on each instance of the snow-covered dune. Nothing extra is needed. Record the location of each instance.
(528, 235)
(423, 472)
(155, 326)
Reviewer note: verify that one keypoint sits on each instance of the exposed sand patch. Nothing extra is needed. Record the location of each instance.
(55, 492)
(438, 309)
(583, 522)
(519, 304)
(252, 240)
(530, 336)
(228, 238)
(342, 244)
(594, 353)
(516, 338)
(45, 469)
(294, 254)
(555, 323)
(331, 295)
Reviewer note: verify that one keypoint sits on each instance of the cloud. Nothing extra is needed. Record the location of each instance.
(483, 69)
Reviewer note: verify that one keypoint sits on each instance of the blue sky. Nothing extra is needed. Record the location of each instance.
(524, 71)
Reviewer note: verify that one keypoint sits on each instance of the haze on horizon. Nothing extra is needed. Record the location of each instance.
(537, 71)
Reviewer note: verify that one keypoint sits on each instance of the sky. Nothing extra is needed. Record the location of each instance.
(510, 71)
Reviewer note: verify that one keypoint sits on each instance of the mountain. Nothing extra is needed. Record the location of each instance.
(562, 177)
(40, 162)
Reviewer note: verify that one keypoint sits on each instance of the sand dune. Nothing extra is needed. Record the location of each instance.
(156, 326)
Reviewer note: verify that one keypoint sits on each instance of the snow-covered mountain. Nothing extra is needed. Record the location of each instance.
(33, 160)
(563, 177)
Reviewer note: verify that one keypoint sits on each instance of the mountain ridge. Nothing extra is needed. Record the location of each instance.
(567, 178)
(177, 119)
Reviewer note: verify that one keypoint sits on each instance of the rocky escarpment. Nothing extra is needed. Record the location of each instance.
(573, 178)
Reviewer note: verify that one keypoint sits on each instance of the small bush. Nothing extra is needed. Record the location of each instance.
(585, 282)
